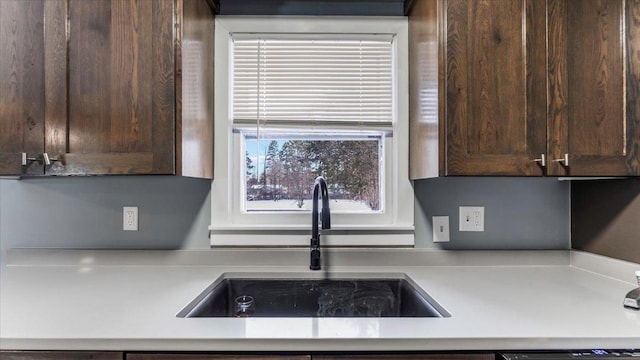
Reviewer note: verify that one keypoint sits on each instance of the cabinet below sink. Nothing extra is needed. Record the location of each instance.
(311, 295)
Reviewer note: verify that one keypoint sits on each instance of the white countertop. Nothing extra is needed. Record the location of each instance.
(128, 300)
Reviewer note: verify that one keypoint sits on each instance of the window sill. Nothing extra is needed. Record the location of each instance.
(298, 235)
(287, 228)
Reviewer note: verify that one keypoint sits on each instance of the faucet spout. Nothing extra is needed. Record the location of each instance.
(319, 190)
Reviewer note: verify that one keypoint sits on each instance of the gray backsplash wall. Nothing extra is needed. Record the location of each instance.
(86, 212)
(520, 213)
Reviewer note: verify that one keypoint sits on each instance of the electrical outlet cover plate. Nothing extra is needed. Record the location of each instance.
(130, 218)
(471, 218)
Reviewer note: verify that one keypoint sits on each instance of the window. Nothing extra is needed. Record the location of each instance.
(301, 97)
(279, 167)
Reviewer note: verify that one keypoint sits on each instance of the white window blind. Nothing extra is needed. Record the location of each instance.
(320, 80)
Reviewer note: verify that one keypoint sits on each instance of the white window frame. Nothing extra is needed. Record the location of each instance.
(230, 226)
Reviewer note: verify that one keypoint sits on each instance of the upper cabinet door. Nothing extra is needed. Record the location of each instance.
(594, 73)
(121, 90)
(495, 112)
(22, 97)
(95, 87)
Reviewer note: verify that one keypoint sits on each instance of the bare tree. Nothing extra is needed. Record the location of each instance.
(296, 171)
(352, 166)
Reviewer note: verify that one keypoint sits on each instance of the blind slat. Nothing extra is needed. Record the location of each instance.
(333, 80)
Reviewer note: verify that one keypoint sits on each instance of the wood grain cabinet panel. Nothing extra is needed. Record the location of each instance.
(426, 132)
(60, 355)
(161, 356)
(519, 80)
(495, 101)
(22, 95)
(594, 83)
(121, 89)
(389, 356)
(97, 85)
(491, 85)
(431, 356)
(85, 355)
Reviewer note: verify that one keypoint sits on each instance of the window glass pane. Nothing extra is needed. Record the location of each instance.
(280, 170)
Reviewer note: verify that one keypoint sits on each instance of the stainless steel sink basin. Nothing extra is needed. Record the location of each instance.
(310, 295)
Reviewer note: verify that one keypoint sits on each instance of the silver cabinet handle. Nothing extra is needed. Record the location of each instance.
(26, 159)
(542, 160)
(45, 158)
(48, 160)
(564, 161)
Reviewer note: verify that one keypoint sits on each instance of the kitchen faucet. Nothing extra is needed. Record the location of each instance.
(319, 185)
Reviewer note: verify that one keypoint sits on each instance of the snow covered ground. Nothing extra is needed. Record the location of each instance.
(335, 205)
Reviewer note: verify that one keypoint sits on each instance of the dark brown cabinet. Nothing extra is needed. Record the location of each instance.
(96, 87)
(525, 87)
(22, 102)
(82, 355)
(60, 355)
(161, 356)
(340, 356)
(594, 87)
(432, 356)
(487, 75)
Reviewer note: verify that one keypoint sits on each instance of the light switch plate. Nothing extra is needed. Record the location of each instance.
(440, 228)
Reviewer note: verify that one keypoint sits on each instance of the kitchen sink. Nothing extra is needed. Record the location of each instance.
(293, 295)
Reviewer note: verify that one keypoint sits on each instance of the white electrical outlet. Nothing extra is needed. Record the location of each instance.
(130, 218)
(440, 228)
(471, 218)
